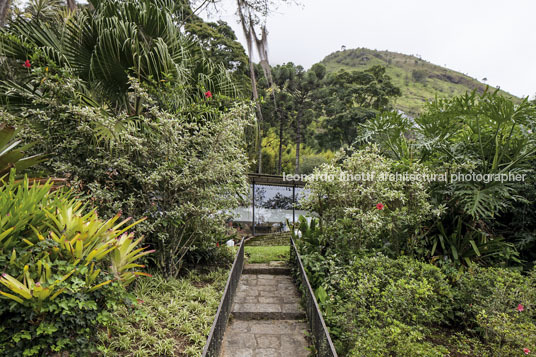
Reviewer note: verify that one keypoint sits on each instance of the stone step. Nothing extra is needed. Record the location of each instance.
(267, 318)
(281, 338)
(273, 269)
(267, 297)
(248, 312)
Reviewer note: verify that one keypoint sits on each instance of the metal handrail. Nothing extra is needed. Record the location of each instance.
(215, 337)
(322, 341)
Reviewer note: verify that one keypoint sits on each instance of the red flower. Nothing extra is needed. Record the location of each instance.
(520, 308)
(27, 64)
(526, 350)
(217, 244)
(380, 206)
(208, 94)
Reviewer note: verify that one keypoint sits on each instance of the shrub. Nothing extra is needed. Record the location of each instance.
(382, 306)
(178, 169)
(12, 156)
(310, 162)
(402, 289)
(131, 126)
(499, 305)
(397, 339)
(62, 268)
(419, 75)
(378, 306)
(349, 211)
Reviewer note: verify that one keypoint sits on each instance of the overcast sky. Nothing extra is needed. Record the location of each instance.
(495, 39)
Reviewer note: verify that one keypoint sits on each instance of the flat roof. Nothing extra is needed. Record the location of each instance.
(273, 180)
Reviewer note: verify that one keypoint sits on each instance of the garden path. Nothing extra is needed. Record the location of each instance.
(267, 319)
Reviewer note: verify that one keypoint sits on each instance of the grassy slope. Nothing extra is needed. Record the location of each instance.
(437, 80)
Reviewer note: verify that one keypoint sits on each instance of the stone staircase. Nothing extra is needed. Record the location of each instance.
(267, 319)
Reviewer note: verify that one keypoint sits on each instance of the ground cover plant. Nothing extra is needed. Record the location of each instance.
(172, 317)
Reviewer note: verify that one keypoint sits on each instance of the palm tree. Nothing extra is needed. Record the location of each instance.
(110, 42)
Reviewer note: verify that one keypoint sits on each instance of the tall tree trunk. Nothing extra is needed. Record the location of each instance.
(247, 25)
(248, 21)
(298, 142)
(259, 112)
(259, 137)
(71, 4)
(262, 50)
(279, 161)
(4, 10)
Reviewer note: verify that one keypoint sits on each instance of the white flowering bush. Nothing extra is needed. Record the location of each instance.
(362, 207)
(178, 168)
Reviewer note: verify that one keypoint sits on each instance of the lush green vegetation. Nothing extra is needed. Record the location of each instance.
(171, 317)
(63, 268)
(487, 135)
(267, 254)
(140, 109)
(419, 81)
(307, 115)
(380, 306)
(314, 113)
(153, 132)
(429, 266)
(136, 136)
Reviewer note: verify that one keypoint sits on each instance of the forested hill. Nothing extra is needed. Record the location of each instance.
(418, 79)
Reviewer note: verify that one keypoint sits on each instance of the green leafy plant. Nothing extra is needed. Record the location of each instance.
(485, 134)
(53, 253)
(465, 245)
(498, 305)
(12, 154)
(171, 316)
(377, 306)
(90, 43)
(132, 126)
(308, 236)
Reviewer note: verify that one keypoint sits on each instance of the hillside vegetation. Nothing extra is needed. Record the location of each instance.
(419, 80)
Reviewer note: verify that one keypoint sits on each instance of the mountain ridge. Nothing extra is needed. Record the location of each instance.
(419, 80)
